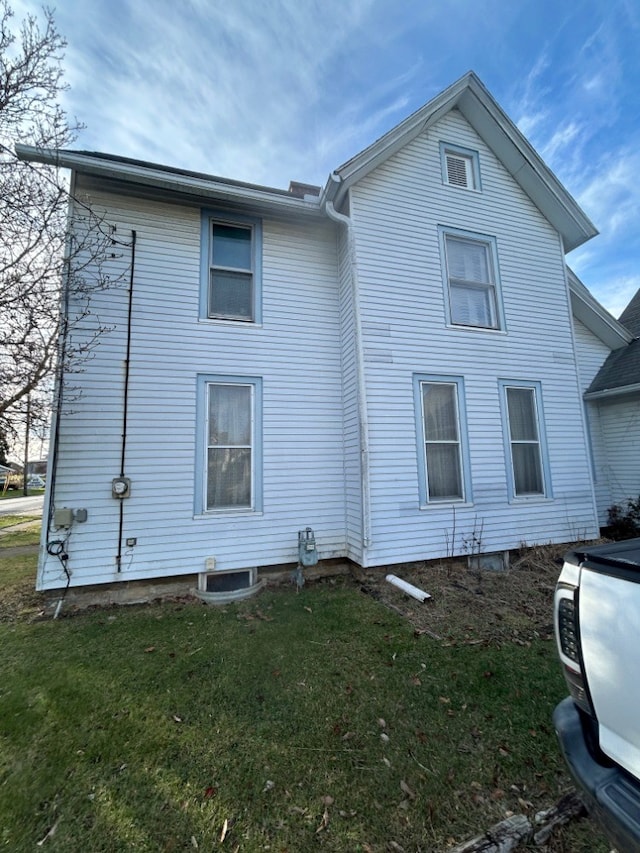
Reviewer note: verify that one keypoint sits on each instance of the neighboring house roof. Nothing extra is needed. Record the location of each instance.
(630, 317)
(468, 95)
(492, 124)
(620, 374)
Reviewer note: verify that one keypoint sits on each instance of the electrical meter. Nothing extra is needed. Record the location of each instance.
(120, 487)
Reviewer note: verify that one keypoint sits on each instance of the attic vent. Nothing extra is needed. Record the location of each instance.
(460, 166)
(459, 171)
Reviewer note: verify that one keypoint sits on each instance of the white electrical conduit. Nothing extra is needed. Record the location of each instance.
(409, 588)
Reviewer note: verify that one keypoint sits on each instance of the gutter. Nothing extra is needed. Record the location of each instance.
(613, 392)
(363, 418)
(169, 180)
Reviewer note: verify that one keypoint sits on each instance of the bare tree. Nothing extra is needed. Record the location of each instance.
(41, 268)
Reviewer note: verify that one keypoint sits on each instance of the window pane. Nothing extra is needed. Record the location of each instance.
(443, 472)
(231, 295)
(231, 247)
(228, 477)
(522, 414)
(527, 470)
(229, 414)
(468, 260)
(472, 306)
(440, 415)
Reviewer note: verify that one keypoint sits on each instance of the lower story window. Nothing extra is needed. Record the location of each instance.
(526, 448)
(231, 447)
(442, 457)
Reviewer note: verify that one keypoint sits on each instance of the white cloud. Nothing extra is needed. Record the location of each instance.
(611, 194)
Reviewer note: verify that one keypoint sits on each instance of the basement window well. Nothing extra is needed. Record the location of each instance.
(218, 587)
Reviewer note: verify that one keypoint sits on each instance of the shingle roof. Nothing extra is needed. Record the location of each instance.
(622, 367)
(630, 317)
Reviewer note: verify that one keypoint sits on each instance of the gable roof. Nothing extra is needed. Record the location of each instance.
(586, 308)
(491, 123)
(620, 374)
(630, 317)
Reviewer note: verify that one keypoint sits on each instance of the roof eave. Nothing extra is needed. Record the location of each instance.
(492, 124)
(167, 181)
(595, 316)
(618, 391)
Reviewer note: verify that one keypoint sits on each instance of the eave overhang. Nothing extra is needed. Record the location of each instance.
(141, 178)
(491, 123)
(618, 391)
(595, 317)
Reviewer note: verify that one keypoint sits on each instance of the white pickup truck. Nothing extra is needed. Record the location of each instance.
(597, 623)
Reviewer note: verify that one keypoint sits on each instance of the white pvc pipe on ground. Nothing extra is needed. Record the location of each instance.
(409, 588)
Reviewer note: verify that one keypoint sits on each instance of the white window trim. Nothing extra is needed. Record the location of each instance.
(208, 219)
(472, 166)
(491, 244)
(419, 380)
(536, 388)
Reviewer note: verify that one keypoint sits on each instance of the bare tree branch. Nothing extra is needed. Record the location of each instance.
(38, 260)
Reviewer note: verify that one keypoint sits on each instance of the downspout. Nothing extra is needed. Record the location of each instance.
(125, 395)
(363, 418)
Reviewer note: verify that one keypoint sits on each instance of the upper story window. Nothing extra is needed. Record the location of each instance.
(471, 280)
(460, 166)
(231, 253)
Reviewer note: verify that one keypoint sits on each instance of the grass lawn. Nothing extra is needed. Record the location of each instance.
(291, 722)
(11, 494)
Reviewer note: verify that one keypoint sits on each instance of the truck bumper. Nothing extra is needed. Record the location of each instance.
(610, 794)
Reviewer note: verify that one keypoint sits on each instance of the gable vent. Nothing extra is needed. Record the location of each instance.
(457, 170)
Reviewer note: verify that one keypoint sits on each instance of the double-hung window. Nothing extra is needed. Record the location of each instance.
(471, 280)
(231, 446)
(525, 439)
(442, 457)
(231, 268)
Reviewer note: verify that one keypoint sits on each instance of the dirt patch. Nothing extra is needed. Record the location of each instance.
(21, 603)
(475, 606)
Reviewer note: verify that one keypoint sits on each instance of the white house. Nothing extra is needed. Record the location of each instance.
(396, 360)
(613, 411)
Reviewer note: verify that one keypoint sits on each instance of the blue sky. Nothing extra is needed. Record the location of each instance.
(271, 90)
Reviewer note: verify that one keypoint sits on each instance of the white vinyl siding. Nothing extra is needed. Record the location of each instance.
(403, 294)
(615, 423)
(296, 353)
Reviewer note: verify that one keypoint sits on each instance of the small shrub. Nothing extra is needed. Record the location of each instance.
(623, 521)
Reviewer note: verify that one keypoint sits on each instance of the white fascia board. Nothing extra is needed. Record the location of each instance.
(395, 139)
(525, 165)
(492, 124)
(596, 318)
(143, 175)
